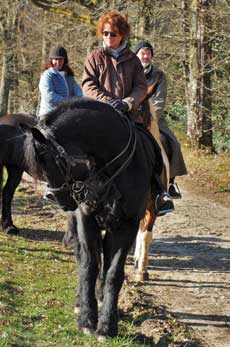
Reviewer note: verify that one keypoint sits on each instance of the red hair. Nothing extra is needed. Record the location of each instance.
(116, 20)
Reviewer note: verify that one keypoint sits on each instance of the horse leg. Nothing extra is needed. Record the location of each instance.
(105, 264)
(88, 233)
(71, 240)
(120, 244)
(143, 242)
(13, 180)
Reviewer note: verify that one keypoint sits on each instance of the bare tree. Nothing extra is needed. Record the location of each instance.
(198, 71)
(59, 7)
(9, 15)
(29, 27)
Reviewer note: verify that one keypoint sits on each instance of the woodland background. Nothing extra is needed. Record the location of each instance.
(191, 40)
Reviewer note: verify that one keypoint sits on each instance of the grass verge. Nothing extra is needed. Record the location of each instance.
(208, 173)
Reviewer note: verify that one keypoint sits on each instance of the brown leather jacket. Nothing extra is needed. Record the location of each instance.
(106, 78)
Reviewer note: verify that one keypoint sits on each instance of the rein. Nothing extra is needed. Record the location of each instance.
(132, 135)
(82, 190)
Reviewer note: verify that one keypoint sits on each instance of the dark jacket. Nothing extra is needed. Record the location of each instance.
(157, 81)
(106, 78)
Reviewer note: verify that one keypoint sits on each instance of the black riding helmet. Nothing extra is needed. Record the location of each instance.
(58, 52)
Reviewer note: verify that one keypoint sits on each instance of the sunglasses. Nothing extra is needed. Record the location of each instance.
(111, 33)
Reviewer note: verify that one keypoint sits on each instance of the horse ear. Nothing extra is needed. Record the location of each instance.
(38, 136)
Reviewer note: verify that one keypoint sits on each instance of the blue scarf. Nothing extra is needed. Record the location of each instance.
(115, 52)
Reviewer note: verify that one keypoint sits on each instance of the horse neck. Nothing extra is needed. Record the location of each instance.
(91, 139)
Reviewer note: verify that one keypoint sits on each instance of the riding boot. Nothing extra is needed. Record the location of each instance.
(162, 201)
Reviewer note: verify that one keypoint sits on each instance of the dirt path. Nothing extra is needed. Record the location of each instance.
(190, 267)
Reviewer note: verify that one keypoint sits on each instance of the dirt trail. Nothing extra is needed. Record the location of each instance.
(190, 267)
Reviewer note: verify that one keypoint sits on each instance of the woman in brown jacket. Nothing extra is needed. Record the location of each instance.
(114, 74)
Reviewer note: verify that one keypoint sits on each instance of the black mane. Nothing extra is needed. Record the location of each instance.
(71, 105)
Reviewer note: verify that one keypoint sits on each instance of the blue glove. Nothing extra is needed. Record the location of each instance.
(119, 105)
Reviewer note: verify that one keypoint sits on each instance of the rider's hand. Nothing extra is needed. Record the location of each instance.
(120, 105)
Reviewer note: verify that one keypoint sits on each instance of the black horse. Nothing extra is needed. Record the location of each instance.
(97, 166)
(12, 138)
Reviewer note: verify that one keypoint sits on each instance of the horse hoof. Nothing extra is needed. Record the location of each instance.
(12, 230)
(87, 331)
(142, 276)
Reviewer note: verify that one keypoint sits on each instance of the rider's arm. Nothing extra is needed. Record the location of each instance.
(159, 97)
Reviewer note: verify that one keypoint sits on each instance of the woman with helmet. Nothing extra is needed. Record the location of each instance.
(57, 81)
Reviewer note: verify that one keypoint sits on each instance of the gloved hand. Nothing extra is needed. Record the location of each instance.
(119, 105)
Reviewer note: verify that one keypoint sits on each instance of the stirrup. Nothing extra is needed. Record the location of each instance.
(176, 194)
(166, 209)
(49, 196)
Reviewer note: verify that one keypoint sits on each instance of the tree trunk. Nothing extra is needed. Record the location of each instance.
(199, 86)
(5, 84)
(8, 27)
(186, 48)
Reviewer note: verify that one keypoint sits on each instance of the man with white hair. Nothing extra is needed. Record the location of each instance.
(157, 83)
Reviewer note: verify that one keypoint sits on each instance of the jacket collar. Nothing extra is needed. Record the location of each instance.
(116, 53)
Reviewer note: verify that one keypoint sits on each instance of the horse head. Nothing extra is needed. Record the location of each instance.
(64, 173)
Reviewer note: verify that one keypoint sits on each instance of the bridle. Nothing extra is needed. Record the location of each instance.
(92, 190)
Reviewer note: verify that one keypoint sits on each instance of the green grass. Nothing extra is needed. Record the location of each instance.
(35, 290)
(37, 286)
(208, 172)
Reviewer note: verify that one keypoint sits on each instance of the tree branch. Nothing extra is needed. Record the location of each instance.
(51, 6)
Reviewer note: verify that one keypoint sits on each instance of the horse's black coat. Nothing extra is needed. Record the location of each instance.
(87, 128)
(12, 138)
